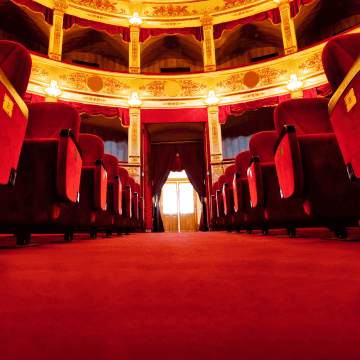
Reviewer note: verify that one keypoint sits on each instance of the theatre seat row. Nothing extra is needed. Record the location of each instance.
(303, 173)
(58, 179)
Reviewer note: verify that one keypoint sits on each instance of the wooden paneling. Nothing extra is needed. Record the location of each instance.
(170, 222)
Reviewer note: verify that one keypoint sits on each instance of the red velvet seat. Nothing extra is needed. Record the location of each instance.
(264, 185)
(93, 186)
(213, 208)
(228, 196)
(309, 163)
(341, 61)
(245, 216)
(105, 219)
(15, 68)
(49, 168)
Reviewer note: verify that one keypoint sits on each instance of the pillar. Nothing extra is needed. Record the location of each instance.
(215, 143)
(134, 51)
(287, 28)
(134, 139)
(208, 43)
(56, 31)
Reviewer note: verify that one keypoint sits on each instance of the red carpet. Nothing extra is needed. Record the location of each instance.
(182, 296)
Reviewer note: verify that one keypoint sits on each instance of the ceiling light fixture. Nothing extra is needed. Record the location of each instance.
(212, 99)
(134, 101)
(294, 83)
(53, 89)
(135, 19)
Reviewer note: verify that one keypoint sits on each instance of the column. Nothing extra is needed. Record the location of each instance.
(297, 94)
(134, 138)
(56, 31)
(215, 142)
(208, 43)
(134, 51)
(287, 27)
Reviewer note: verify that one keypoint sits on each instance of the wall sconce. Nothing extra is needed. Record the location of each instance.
(294, 83)
(212, 99)
(53, 89)
(135, 19)
(134, 101)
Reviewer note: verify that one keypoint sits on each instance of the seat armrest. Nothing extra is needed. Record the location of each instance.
(126, 202)
(68, 167)
(289, 164)
(219, 204)
(117, 194)
(256, 186)
(213, 207)
(228, 199)
(142, 215)
(100, 185)
(237, 191)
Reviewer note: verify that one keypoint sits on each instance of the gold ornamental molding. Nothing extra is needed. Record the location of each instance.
(232, 86)
(161, 14)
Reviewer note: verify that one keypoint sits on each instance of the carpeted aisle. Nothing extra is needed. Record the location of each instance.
(181, 296)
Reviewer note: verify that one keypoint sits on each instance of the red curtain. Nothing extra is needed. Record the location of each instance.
(33, 98)
(324, 90)
(107, 111)
(296, 4)
(162, 157)
(193, 160)
(158, 116)
(273, 15)
(36, 7)
(177, 165)
(194, 31)
(70, 20)
(146, 161)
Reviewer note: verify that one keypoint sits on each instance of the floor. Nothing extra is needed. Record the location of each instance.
(181, 296)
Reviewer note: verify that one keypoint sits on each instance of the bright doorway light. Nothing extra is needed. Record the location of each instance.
(186, 198)
(170, 199)
(177, 175)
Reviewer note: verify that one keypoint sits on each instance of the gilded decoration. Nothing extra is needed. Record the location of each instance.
(190, 87)
(170, 11)
(206, 18)
(155, 88)
(60, 4)
(93, 99)
(253, 95)
(229, 4)
(135, 46)
(232, 83)
(312, 64)
(134, 137)
(269, 75)
(76, 80)
(131, 170)
(38, 71)
(173, 103)
(208, 42)
(113, 86)
(105, 5)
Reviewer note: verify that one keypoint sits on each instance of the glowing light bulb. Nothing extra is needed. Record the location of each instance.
(135, 19)
(212, 99)
(134, 101)
(53, 89)
(294, 83)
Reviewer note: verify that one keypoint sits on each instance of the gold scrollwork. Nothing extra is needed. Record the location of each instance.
(105, 5)
(38, 71)
(190, 87)
(155, 88)
(269, 75)
(170, 11)
(232, 83)
(312, 64)
(77, 80)
(113, 86)
(229, 4)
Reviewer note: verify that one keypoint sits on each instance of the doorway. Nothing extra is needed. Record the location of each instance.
(179, 204)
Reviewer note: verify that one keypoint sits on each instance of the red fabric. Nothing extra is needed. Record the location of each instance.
(242, 162)
(15, 62)
(35, 6)
(47, 119)
(296, 4)
(158, 116)
(107, 111)
(146, 162)
(194, 31)
(126, 194)
(193, 161)
(338, 57)
(177, 165)
(114, 198)
(33, 98)
(324, 90)
(273, 15)
(262, 145)
(70, 20)
(162, 157)
(228, 194)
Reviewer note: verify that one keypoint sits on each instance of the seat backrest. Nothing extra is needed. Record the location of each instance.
(124, 177)
(242, 162)
(215, 187)
(132, 184)
(222, 181)
(309, 116)
(338, 57)
(229, 174)
(46, 119)
(138, 189)
(92, 148)
(262, 145)
(15, 62)
(111, 165)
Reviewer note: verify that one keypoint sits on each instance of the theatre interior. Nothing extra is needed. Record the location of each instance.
(180, 179)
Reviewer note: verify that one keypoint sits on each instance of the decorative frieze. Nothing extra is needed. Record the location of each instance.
(190, 87)
(103, 5)
(269, 75)
(155, 88)
(37, 71)
(232, 83)
(314, 63)
(169, 11)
